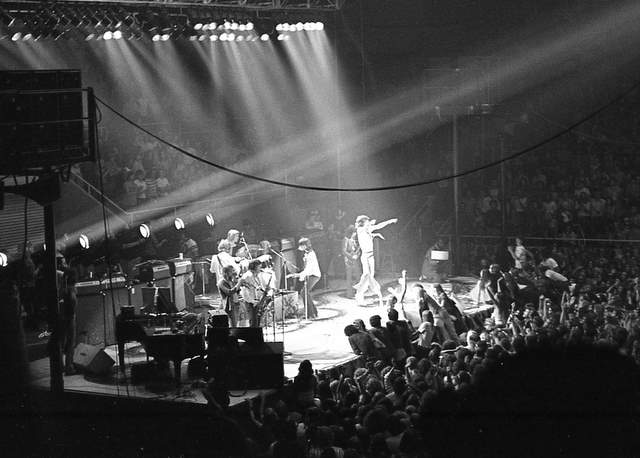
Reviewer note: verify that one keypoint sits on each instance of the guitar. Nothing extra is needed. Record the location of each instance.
(263, 303)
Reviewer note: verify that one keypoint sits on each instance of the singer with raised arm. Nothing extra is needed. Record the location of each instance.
(365, 231)
(308, 277)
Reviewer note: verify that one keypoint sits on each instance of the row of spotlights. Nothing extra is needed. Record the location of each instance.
(228, 32)
(299, 27)
(227, 25)
(144, 229)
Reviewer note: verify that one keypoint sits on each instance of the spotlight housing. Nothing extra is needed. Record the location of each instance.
(210, 221)
(84, 241)
(178, 223)
(4, 260)
(145, 231)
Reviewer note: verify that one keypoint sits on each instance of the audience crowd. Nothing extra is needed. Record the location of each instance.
(418, 382)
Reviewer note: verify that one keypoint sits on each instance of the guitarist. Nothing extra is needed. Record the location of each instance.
(309, 276)
(250, 286)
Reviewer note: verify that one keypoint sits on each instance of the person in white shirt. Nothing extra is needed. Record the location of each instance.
(222, 259)
(365, 228)
(309, 276)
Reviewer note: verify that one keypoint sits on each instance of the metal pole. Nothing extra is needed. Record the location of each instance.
(503, 203)
(51, 294)
(456, 251)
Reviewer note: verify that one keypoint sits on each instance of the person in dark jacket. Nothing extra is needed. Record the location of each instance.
(400, 336)
(361, 343)
(382, 334)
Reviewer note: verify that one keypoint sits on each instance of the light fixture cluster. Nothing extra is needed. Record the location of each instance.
(115, 22)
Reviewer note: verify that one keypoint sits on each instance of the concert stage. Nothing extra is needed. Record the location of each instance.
(321, 341)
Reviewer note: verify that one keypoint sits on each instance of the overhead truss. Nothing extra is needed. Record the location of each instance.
(239, 5)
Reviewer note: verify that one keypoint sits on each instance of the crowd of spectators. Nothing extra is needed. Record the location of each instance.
(550, 344)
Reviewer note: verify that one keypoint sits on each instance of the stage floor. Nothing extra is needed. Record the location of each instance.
(322, 341)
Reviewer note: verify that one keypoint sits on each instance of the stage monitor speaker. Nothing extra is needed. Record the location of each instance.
(252, 337)
(259, 368)
(92, 359)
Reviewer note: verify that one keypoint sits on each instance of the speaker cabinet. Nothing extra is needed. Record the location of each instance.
(92, 359)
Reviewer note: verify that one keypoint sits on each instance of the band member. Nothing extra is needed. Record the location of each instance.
(309, 275)
(365, 228)
(251, 291)
(267, 275)
(222, 259)
(350, 253)
(229, 288)
(233, 237)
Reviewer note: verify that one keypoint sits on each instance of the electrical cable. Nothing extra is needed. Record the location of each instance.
(106, 245)
(584, 134)
(488, 165)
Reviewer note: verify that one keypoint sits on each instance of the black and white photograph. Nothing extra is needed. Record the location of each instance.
(319, 228)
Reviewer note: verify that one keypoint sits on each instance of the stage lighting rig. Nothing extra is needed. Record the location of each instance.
(89, 20)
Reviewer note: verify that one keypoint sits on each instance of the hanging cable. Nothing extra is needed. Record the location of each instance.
(488, 165)
(107, 247)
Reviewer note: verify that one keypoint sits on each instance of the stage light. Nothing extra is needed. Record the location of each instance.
(90, 37)
(224, 37)
(231, 36)
(4, 260)
(249, 26)
(202, 38)
(242, 27)
(178, 223)
(156, 37)
(27, 37)
(193, 38)
(16, 36)
(227, 25)
(145, 231)
(108, 35)
(210, 220)
(117, 35)
(234, 26)
(299, 26)
(165, 37)
(319, 26)
(264, 37)
(212, 26)
(308, 26)
(84, 241)
(198, 26)
(240, 38)
(281, 37)
(213, 38)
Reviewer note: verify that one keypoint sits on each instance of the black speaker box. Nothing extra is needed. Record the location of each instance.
(92, 359)
(257, 368)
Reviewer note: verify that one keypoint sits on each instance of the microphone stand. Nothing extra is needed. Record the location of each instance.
(284, 265)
